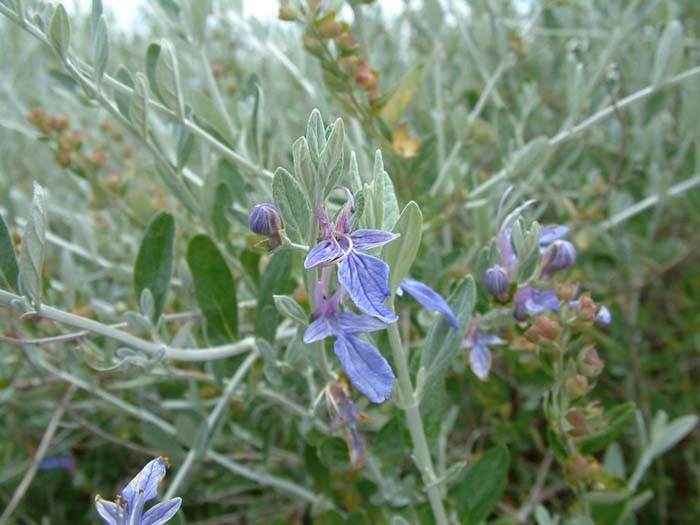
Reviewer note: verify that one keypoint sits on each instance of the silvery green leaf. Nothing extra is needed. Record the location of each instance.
(154, 262)
(377, 186)
(138, 322)
(257, 122)
(31, 259)
(152, 56)
(184, 145)
(316, 135)
(614, 462)
(206, 112)
(100, 49)
(304, 170)
(354, 174)
(293, 206)
(122, 99)
(669, 53)
(9, 270)
(214, 289)
(147, 303)
(138, 105)
(330, 164)
(198, 11)
(290, 309)
(442, 341)
(95, 15)
(664, 439)
(296, 354)
(59, 31)
(391, 205)
(168, 77)
(530, 157)
(400, 253)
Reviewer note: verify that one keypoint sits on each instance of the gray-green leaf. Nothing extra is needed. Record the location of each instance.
(293, 206)
(400, 253)
(443, 342)
(214, 289)
(31, 259)
(479, 491)
(59, 31)
(8, 259)
(154, 262)
(100, 49)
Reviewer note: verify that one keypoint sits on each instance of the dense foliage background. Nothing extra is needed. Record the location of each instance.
(591, 107)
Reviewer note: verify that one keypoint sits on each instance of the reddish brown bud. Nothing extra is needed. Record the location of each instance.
(99, 157)
(58, 122)
(543, 328)
(346, 41)
(591, 363)
(578, 423)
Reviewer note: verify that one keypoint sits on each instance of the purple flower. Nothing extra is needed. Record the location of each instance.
(428, 298)
(127, 509)
(530, 301)
(365, 277)
(264, 219)
(602, 316)
(496, 283)
(479, 354)
(367, 369)
(59, 461)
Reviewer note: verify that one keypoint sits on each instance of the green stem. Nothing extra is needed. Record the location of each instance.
(411, 406)
(212, 424)
(153, 349)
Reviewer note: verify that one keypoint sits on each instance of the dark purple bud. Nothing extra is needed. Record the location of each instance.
(264, 219)
(558, 256)
(496, 283)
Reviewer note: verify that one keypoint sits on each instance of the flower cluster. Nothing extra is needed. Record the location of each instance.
(556, 254)
(127, 507)
(364, 278)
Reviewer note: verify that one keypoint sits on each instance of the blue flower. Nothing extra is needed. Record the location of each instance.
(530, 301)
(479, 354)
(367, 369)
(428, 298)
(551, 233)
(365, 277)
(127, 508)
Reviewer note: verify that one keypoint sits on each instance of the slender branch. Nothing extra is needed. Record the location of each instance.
(212, 423)
(39, 456)
(153, 349)
(258, 477)
(421, 453)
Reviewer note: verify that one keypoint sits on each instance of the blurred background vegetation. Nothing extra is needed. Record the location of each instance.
(453, 93)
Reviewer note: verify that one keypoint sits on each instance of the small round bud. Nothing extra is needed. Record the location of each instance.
(559, 255)
(591, 363)
(577, 386)
(579, 469)
(496, 283)
(543, 328)
(577, 420)
(264, 219)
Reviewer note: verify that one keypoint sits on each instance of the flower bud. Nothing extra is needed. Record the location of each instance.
(264, 219)
(559, 255)
(577, 386)
(591, 363)
(579, 469)
(496, 283)
(577, 420)
(543, 328)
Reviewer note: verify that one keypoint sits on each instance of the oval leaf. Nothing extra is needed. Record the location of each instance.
(214, 289)
(154, 262)
(31, 259)
(400, 254)
(8, 259)
(479, 491)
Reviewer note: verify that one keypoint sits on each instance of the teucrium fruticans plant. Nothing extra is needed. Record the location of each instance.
(187, 266)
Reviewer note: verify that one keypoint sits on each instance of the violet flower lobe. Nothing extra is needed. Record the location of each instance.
(365, 277)
(531, 301)
(127, 508)
(479, 354)
(367, 369)
(428, 298)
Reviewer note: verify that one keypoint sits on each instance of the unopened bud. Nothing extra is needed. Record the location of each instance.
(543, 328)
(264, 219)
(346, 40)
(591, 363)
(365, 77)
(287, 13)
(577, 386)
(578, 422)
(329, 27)
(58, 122)
(496, 283)
(578, 469)
(559, 255)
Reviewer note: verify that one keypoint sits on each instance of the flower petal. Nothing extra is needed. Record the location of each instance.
(325, 252)
(429, 298)
(319, 329)
(108, 510)
(350, 323)
(369, 372)
(551, 233)
(541, 301)
(161, 513)
(147, 480)
(604, 316)
(480, 361)
(363, 240)
(366, 279)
